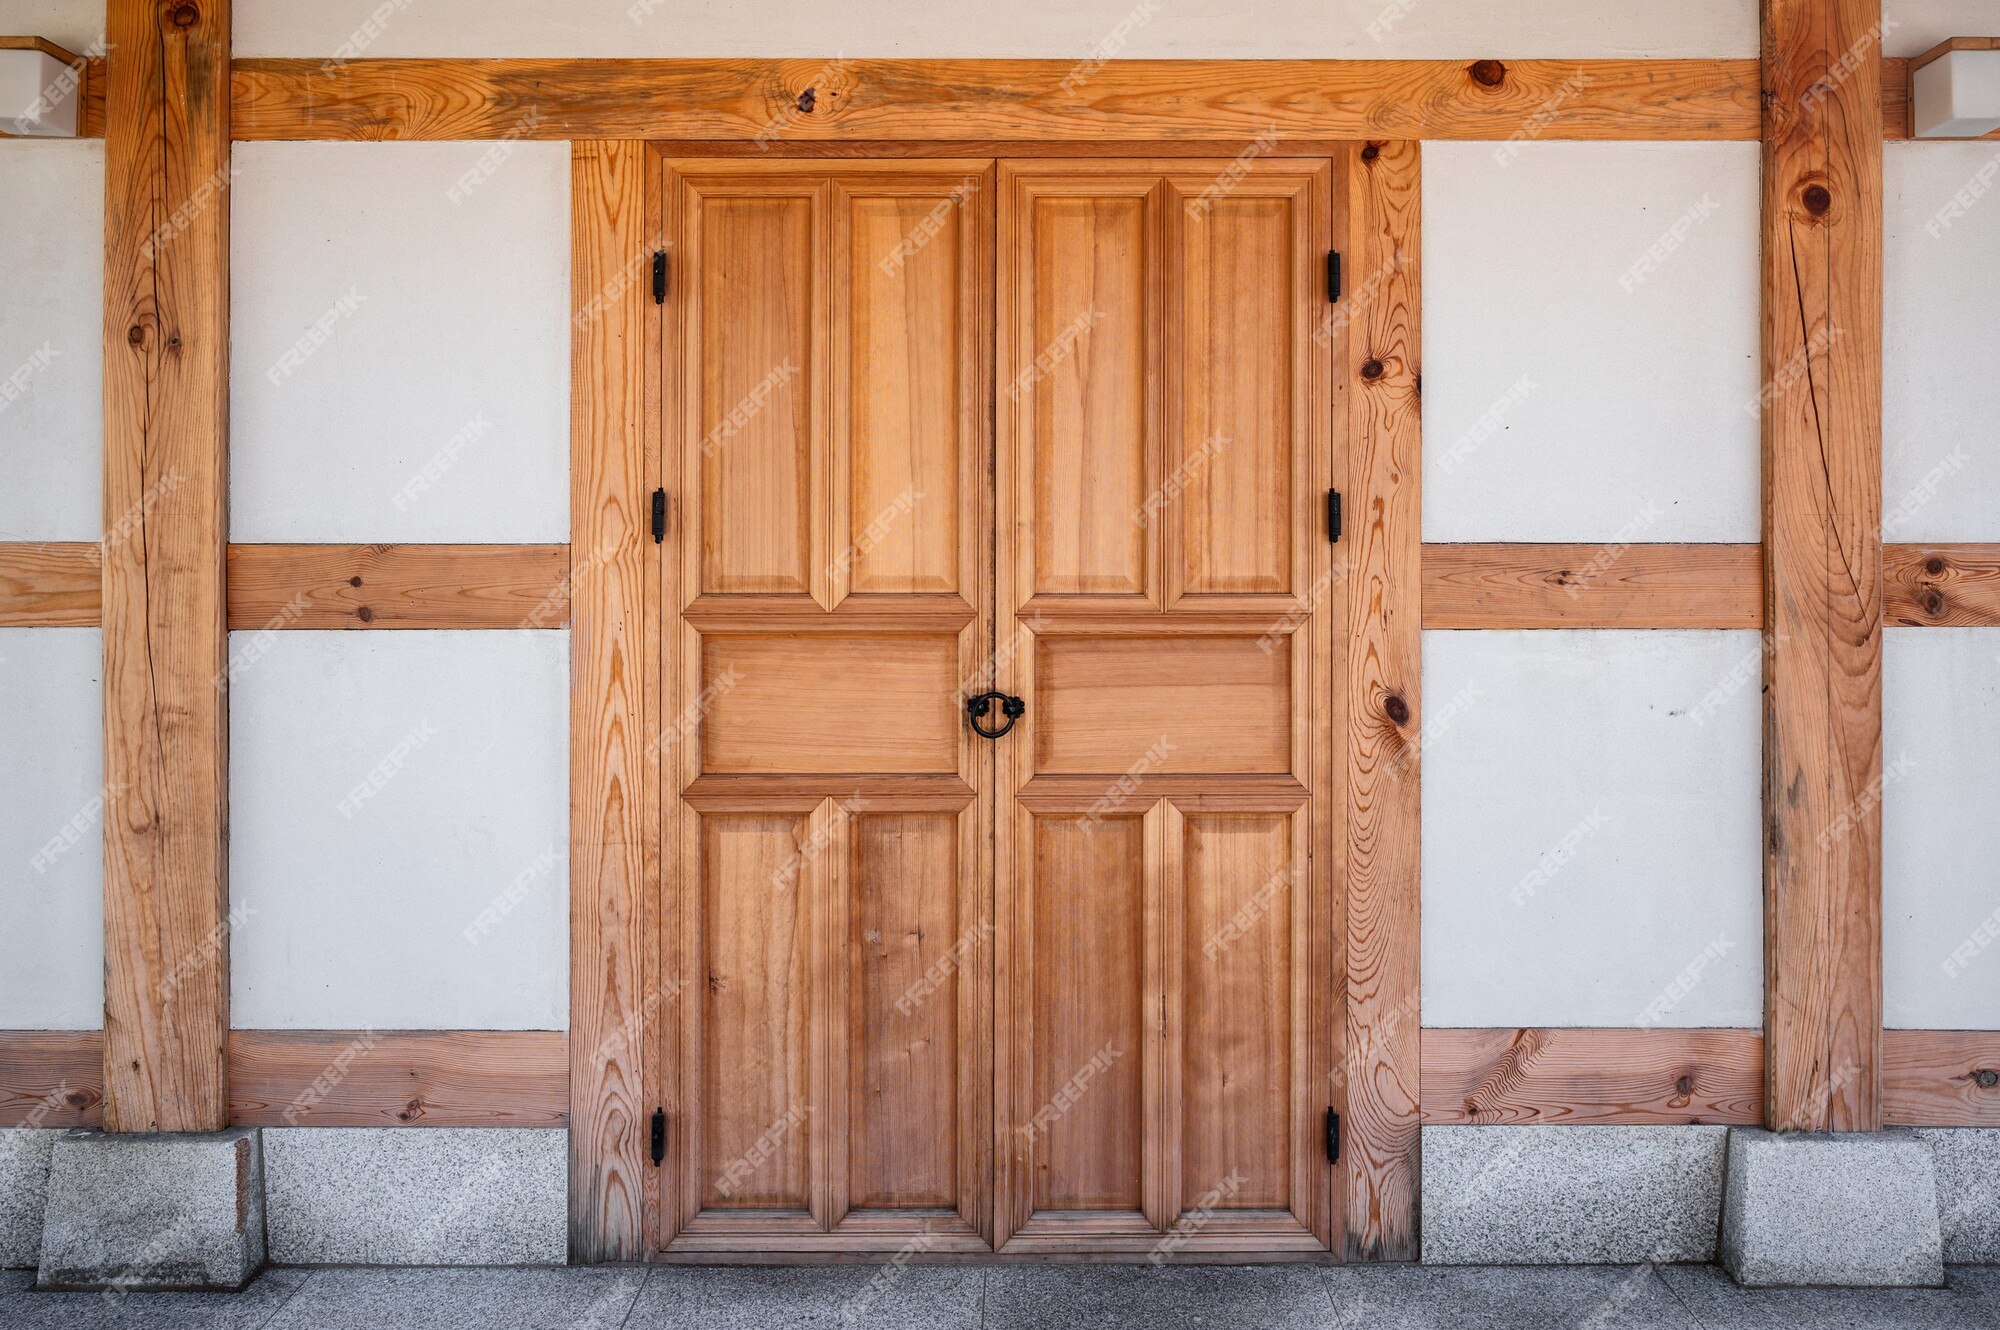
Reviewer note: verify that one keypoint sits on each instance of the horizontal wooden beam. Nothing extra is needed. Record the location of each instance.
(1593, 586)
(1941, 1078)
(777, 101)
(412, 1078)
(398, 586)
(50, 586)
(1926, 586)
(51, 1078)
(318, 1078)
(1592, 1077)
(281, 99)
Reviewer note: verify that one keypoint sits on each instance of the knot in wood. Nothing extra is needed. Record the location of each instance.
(1488, 73)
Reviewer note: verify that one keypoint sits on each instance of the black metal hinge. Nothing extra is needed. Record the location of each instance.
(1332, 1137)
(659, 516)
(1333, 276)
(659, 1136)
(1333, 516)
(660, 277)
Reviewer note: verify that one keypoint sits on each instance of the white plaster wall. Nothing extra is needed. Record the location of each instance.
(1164, 29)
(51, 829)
(1941, 829)
(400, 358)
(70, 24)
(399, 830)
(1590, 340)
(1590, 829)
(51, 338)
(1912, 27)
(1941, 340)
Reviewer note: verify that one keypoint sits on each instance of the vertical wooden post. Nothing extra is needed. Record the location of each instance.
(614, 795)
(1822, 417)
(1378, 374)
(166, 416)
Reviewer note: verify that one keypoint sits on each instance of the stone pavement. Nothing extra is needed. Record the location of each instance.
(1013, 1297)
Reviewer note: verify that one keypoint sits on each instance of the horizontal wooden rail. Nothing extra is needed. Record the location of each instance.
(398, 586)
(318, 1078)
(751, 100)
(1593, 586)
(1926, 586)
(1941, 1078)
(50, 586)
(1592, 1077)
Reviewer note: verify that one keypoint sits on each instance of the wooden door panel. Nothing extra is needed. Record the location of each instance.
(1237, 1133)
(845, 703)
(754, 393)
(1232, 327)
(903, 1017)
(754, 994)
(1085, 1126)
(905, 395)
(1113, 705)
(828, 335)
(1167, 798)
(1087, 348)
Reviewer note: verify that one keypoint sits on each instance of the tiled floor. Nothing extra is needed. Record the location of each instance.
(1014, 1298)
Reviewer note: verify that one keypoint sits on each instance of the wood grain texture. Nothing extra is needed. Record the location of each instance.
(1592, 1077)
(1593, 586)
(614, 674)
(51, 1078)
(398, 586)
(1378, 377)
(166, 417)
(1927, 586)
(1001, 99)
(317, 1078)
(1822, 420)
(1941, 1078)
(398, 1078)
(53, 585)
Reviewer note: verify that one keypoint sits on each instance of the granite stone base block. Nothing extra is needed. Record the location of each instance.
(1968, 1183)
(1848, 1209)
(1570, 1195)
(418, 1195)
(24, 1178)
(129, 1212)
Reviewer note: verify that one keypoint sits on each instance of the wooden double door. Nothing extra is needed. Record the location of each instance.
(1059, 431)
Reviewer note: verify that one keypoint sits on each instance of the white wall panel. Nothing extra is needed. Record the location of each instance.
(399, 830)
(400, 358)
(1940, 797)
(1590, 829)
(1912, 27)
(51, 338)
(1358, 29)
(1590, 341)
(1941, 341)
(71, 24)
(51, 829)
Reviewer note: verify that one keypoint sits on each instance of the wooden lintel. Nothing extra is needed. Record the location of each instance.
(1593, 586)
(53, 585)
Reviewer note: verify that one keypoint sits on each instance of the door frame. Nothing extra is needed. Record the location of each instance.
(1375, 680)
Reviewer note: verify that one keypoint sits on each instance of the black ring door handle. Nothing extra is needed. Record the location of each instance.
(1013, 708)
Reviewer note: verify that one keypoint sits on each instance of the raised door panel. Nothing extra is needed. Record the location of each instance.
(753, 389)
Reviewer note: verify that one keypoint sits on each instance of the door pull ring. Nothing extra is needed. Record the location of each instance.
(1013, 708)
